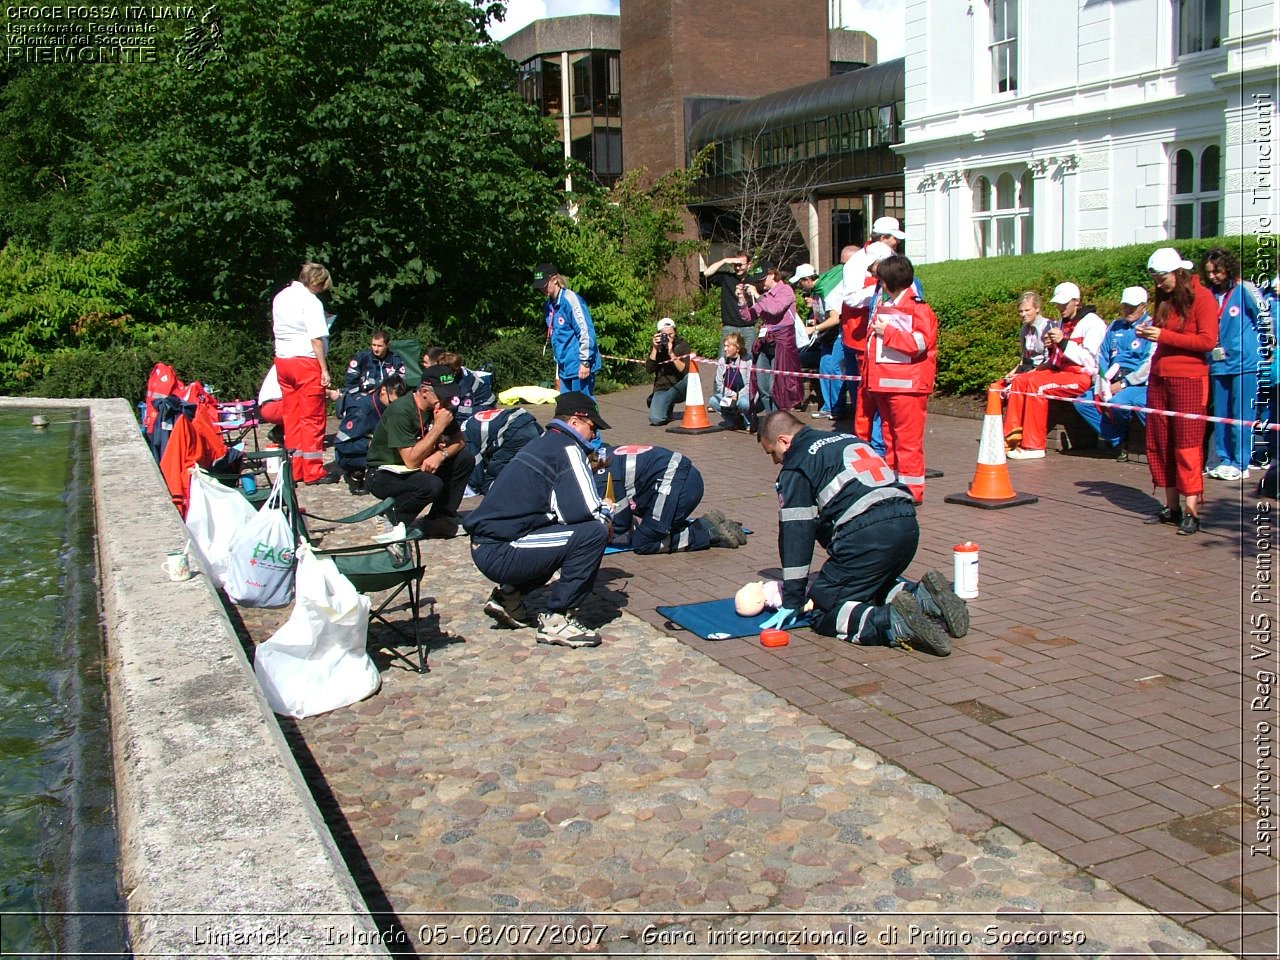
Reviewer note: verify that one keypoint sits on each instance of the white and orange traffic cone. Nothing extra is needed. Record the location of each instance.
(695, 407)
(991, 488)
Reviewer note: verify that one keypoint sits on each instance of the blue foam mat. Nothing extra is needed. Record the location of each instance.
(715, 619)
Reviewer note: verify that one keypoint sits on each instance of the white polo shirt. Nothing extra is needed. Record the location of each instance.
(297, 318)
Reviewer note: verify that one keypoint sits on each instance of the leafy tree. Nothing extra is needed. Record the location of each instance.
(384, 139)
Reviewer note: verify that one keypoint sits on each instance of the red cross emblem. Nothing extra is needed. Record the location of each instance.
(868, 465)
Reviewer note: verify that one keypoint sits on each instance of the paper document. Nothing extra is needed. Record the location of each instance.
(896, 320)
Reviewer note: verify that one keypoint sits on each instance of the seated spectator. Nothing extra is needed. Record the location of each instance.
(370, 367)
(732, 402)
(417, 455)
(656, 491)
(475, 387)
(668, 362)
(494, 437)
(360, 417)
(1124, 362)
(271, 406)
(1030, 337)
(1068, 372)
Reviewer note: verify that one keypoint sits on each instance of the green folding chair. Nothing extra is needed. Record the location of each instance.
(371, 567)
(410, 351)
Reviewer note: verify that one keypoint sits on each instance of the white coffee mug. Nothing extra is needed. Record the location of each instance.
(177, 565)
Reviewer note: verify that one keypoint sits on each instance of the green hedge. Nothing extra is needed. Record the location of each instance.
(977, 300)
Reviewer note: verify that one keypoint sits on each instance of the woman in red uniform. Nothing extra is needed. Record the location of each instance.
(302, 339)
(902, 362)
(1185, 329)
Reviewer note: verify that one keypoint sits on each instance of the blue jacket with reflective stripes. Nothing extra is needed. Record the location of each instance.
(548, 483)
(827, 479)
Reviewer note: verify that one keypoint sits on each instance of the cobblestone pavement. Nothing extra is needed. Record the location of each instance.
(648, 787)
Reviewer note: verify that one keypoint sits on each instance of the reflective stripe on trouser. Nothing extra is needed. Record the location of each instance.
(903, 416)
(574, 549)
(1029, 397)
(859, 577)
(305, 415)
(668, 530)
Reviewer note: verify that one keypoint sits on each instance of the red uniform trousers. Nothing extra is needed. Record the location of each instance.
(903, 415)
(304, 415)
(1029, 397)
(1175, 445)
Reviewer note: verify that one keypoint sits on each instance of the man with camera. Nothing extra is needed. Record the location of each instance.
(668, 361)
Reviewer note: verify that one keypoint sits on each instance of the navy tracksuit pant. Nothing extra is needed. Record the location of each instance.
(860, 576)
(528, 563)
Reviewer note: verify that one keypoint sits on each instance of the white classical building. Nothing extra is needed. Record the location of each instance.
(1038, 125)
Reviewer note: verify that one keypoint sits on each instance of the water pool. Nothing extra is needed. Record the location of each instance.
(59, 884)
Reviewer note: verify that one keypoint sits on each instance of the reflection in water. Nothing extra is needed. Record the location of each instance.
(58, 850)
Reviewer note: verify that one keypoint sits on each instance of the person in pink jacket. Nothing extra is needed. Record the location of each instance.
(775, 309)
(902, 362)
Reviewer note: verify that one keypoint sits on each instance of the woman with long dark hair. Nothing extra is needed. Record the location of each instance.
(1233, 364)
(1184, 329)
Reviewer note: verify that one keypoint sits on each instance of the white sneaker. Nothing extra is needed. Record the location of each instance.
(389, 534)
(1228, 473)
(564, 630)
(468, 493)
(1019, 453)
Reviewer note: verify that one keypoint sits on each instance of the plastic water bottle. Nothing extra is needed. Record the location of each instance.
(248, 484)
(965, 575)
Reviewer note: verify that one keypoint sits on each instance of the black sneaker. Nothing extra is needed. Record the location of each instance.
(911, 629)
(1171, 515)
(1190, 524)
(564, 630)
(937, 599)
(506, 606)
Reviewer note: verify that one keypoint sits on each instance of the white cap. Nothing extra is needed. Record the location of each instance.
(1065, 293)
(1133, 296)
(887, 225)
(804, 272)
(666, 323)
(878, 251)
(1167, 260)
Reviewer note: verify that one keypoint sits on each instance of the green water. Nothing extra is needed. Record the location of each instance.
(59, 887)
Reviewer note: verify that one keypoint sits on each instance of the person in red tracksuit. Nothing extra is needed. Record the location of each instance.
(902, 361)
(302, 339)
(1185, 329)
(1067, 372)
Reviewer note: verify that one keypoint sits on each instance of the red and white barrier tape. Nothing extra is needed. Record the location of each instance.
(1261, 425)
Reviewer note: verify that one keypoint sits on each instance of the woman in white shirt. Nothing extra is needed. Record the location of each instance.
(301, 335)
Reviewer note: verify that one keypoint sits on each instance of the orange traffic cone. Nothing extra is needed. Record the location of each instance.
(991, 488)
(695, 408)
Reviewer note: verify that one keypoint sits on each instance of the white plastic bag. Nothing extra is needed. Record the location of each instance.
(317, 662)
(215, 514)
(260, 561)
(803, 336)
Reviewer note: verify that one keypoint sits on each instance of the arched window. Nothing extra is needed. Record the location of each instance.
(1003, 229)
(1195, 196)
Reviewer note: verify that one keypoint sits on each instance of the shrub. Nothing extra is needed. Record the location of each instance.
(230, 361)
(977, 300)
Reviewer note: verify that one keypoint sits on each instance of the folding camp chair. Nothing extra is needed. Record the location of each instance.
(371, 567)
(410, 351)
(238, 420)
